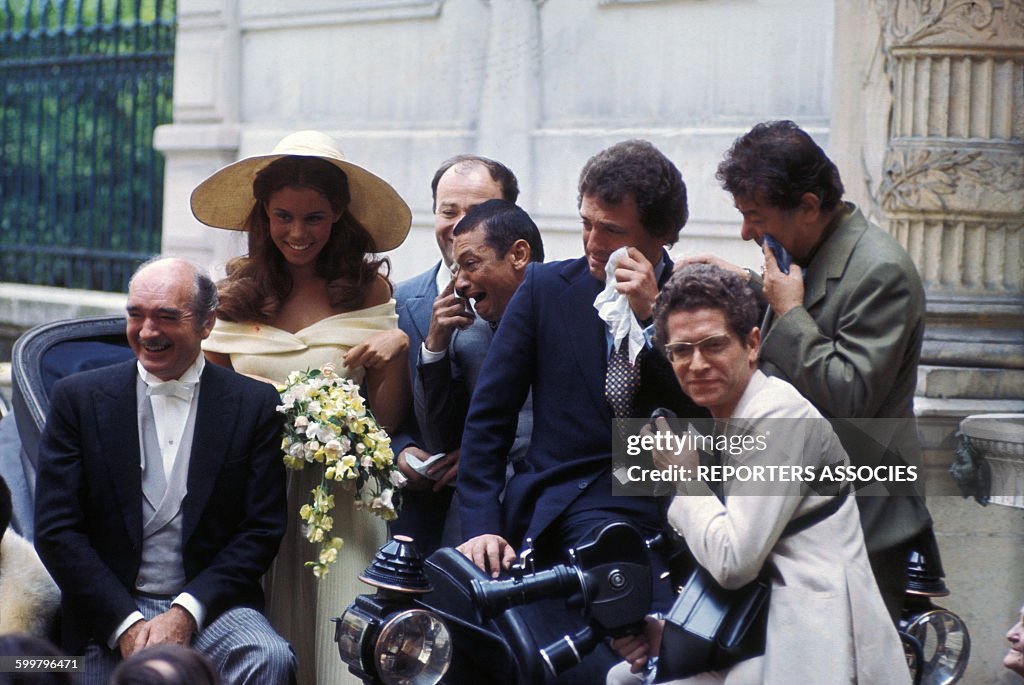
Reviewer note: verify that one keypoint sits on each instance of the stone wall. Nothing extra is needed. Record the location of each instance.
(539, 85)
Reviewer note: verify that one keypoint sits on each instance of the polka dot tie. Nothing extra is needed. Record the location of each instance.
(622, 381)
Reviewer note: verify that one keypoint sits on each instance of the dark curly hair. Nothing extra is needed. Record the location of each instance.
(637, 168)
(258, 283)
(705, 286)
(23, 645)
(777, 162)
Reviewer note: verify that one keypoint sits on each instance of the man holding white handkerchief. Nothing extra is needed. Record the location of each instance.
(580, 348)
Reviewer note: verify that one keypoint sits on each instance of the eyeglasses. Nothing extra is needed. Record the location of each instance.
(711, 346)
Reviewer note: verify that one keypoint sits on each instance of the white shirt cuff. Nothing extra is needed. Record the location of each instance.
(192, 606)
(122, 627)
(429, 357)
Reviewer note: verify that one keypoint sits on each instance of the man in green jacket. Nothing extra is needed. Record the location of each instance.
(844, 325)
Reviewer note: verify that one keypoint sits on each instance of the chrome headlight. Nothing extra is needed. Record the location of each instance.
(945, 644)
(405, 647)
(413, 648)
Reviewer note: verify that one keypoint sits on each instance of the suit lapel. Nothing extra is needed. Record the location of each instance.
(831, 260)
(421, 304)
(116, 407)
(219, 405)
(585, 328)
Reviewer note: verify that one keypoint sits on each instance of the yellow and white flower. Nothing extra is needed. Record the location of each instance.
(328, 424)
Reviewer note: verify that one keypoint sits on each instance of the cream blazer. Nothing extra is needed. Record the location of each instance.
(827, 622)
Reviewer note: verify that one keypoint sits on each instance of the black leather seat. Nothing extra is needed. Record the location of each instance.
(40, 357)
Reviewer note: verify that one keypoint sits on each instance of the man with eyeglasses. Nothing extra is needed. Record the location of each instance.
(822, 584)
(845, 322)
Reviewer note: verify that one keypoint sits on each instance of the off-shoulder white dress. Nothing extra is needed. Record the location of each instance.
(299, 606)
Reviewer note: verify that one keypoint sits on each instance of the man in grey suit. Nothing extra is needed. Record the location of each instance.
(459, 184)
(494, 243)
(160, 500)
(844, 325)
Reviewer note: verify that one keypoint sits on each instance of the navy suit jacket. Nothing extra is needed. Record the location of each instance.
(551, 339)
(89, 497)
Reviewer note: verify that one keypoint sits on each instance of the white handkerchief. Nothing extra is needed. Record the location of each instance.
(613, 308)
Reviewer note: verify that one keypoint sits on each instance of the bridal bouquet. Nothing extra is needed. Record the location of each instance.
(328, 426)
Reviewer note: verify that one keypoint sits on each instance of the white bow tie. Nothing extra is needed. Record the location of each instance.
(182, 391)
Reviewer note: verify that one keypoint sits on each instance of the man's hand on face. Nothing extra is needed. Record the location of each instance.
(490, 553)
(783, 291)
(634, 278)
(449, 313)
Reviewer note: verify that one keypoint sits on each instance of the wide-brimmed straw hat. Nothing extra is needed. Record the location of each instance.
(225, 199)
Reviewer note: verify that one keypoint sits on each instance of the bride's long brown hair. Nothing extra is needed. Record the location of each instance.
(258, 283)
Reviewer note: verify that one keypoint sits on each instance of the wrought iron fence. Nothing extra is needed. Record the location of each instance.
(83, 83)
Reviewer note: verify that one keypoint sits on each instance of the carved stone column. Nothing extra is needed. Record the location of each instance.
(952, 188)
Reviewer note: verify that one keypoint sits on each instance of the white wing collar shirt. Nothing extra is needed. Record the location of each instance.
(172, 402)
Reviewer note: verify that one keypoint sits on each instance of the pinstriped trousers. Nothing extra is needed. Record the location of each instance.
(240, 642)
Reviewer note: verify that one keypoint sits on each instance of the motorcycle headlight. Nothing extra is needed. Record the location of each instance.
(410, 647)
(945, 643)
(413, 648)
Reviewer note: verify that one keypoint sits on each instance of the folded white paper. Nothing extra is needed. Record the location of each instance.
(420, 466)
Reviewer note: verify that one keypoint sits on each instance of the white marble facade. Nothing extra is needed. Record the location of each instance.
(538, 84)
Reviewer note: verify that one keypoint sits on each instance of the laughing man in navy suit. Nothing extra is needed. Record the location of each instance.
(552, 341)
(459, 184)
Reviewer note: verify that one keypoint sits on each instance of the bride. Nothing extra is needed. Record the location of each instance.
(309, 292)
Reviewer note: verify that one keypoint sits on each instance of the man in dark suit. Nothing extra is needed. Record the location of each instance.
(459, 184)
(160, 499)
(844, 326)
(551, 340)
(494, 243)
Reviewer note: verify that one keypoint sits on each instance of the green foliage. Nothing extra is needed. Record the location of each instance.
(25, 16)
(82, 86)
